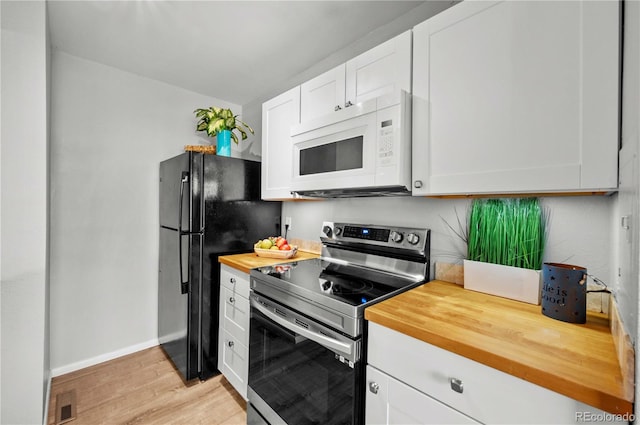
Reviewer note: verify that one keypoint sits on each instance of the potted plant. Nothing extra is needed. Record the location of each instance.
(220, 123)
(505, 243)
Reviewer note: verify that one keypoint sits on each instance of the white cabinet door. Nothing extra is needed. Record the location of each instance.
(322, 95)
(233, 336)
(391, 402)
(516, 97)
(278, 115)
(234, 362)
(382, 70)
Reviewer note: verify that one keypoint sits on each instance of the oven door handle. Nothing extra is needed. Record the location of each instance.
(333, 344)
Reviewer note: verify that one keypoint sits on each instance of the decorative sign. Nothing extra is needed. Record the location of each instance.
(564, 292)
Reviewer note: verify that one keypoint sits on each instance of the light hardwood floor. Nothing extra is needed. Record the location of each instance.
(144, 388)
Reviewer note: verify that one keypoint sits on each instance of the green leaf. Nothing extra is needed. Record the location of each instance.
(242, 132)
(234, 137)
(244, 124)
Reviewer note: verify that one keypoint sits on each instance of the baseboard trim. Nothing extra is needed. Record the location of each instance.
(62, 370)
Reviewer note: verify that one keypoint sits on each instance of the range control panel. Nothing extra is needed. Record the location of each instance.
(391, 236)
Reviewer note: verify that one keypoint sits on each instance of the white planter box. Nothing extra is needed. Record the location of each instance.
(505, 281)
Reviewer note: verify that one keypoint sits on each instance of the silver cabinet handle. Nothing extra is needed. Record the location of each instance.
(232, 280)
(337, 108)
(374, 387)
(232, 300)
(346, 105)
(230, 344)
(624, 222)
(456, 385)
(417, 184)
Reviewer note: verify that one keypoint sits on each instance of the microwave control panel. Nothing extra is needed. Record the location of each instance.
(385, 142)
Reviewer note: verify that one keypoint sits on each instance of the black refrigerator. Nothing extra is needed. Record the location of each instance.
(209, 206)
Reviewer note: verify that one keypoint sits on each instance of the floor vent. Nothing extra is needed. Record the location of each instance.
(65, 407)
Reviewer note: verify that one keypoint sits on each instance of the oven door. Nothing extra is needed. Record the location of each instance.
(299, 371)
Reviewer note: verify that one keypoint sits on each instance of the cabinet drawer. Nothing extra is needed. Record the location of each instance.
(236, 281)
(485, 394)
(233, 363)
(389, 401)
(235, 315)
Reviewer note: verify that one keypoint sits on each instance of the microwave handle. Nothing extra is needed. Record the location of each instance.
(325, 341)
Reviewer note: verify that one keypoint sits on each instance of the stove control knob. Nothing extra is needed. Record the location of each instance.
(413, 239)
(396, 237)
(337, 231)
(327, 231)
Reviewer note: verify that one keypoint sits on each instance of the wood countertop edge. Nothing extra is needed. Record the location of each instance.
(234, 265)
(239, 261)
(592, 394)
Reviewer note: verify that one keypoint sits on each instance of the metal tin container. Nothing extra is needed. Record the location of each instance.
(564, 292)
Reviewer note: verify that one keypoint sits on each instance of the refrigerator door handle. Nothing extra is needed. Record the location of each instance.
(184, 284)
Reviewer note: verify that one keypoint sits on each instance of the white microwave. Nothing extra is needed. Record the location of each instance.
(363, 150)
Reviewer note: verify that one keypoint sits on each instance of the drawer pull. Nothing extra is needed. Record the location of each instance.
(374, 387)
(230, 344)
(232, 280)
(232, 300)
(456, 385)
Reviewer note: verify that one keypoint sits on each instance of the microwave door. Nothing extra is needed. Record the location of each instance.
(336, 156)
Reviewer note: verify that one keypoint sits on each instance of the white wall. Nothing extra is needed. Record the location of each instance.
(629, 195)
(23, 215)
(109, 131)
(579, 231)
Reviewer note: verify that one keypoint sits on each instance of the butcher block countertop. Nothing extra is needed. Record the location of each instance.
(248, 261)
(576, 360)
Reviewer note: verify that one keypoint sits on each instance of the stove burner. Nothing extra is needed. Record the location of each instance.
(342, 286)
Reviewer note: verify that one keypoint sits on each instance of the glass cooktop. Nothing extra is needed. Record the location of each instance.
(318, 279)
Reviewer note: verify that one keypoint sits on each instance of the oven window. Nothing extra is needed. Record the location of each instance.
(337, 156)
(302, 381)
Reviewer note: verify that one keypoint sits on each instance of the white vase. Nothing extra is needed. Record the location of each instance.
(505, 281)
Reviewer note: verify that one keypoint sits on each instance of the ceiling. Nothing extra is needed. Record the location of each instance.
(237, 51)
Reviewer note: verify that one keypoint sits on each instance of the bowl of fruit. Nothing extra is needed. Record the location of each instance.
(275, 247)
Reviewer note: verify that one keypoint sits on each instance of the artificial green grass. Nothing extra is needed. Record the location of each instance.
(507, 231)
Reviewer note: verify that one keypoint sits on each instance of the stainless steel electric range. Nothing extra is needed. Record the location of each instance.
(307, 329)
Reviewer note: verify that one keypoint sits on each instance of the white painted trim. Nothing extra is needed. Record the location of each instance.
(47, 397)
(103, 357)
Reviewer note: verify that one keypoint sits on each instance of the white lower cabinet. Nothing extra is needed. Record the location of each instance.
(233, 339)
(417, 382)
(390, 401)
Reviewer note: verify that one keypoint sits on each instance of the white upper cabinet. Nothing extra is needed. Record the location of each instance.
(516, 97)
(323, 94)
(382, 70)
(278, 115)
